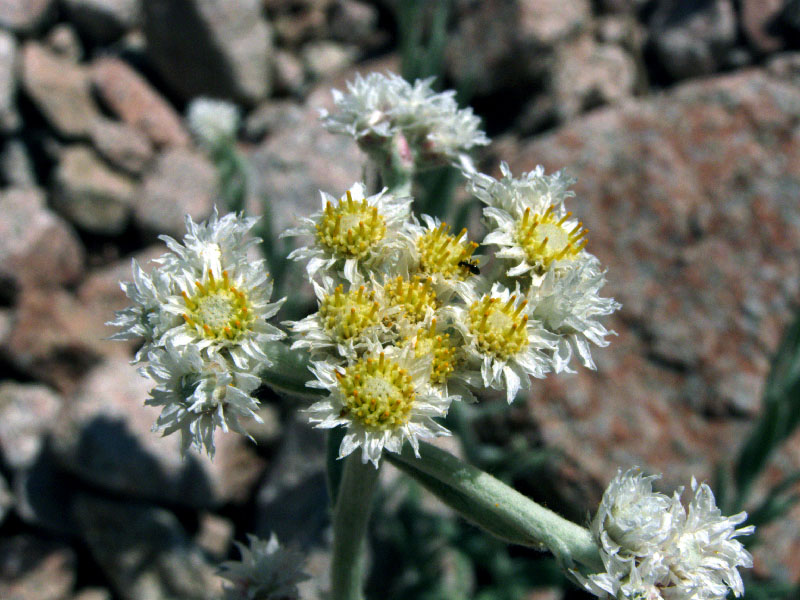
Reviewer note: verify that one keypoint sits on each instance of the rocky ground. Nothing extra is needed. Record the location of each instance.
(680, 119)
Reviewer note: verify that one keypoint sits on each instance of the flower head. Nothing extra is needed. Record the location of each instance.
(265, 571)
(378, 107)
(145, 319)
(533, 190)
(213, 122)
(345, 320)
(352, 235)
(655, 549)
(197, 395)
(503, 340)
(383, 398)
(221, 295)
(568, 304)
(433, 251)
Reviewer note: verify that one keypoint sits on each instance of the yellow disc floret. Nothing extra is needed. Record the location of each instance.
(500, 329)
(218, 310)
(377, 393)
(545, 238)
(446, 254)
(414, 296)
(441, 347)
(346, 316)
(351, 228)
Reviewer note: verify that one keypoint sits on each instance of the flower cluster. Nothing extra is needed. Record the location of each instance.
(378, 107)
(654, 548)
(213, 122)
(406, 322)
(202, 315)
(265, 571)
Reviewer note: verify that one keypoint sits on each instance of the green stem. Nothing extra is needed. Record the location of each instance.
(350, 519)
(289, 372)
(496, 507)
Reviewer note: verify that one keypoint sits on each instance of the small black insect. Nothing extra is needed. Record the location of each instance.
(471, 266)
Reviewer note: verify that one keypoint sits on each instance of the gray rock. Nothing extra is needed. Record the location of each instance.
(16, 166)
(326, 59)
(32, 569)
(144, 551)
(224, 49)
(760, 21)
(93, 593)
(692, 38)
(63, 40)
(60, 89)
(214, 535)
(90, 194)
(588, 74)
(485, 49)
(103, 435)
(37, 247)
(122, 145)
(290, 75)
(9, 117)
(6, 499)
(181, 182)
(25, 16)
(292, 502)
(104, 20)
(131, 98)
(27, 411)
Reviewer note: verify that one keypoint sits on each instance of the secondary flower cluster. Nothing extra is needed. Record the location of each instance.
(378, 108)
(202, 313)
(265, 571)
(654, 548)
(406, 322)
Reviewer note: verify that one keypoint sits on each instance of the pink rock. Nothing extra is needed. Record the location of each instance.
(26, 413)
(758, 19)
(24, 16)
(181, 182)
(36, 245)
(33, 569)
(135, 101)
(60, 89)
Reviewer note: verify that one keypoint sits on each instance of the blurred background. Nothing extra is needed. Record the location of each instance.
(680, 120)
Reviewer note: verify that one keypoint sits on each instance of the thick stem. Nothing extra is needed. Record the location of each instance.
(289, 372)
(350, 519)
(498, 508)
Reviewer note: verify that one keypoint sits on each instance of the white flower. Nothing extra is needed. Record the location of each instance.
(221, 295)
(433, 251)
(344, 320)
(502, 338)
(145, 319)
(213, 122)
(567, 302)
(383, 398)
(352, 235)
(654, 549)
(197, 395)
(265, 571)
(533, 190)
(379, 106)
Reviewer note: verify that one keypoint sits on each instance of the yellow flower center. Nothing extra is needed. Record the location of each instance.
(414, 296)
(499, 329)
(351, 228)
(346, 316)
(545, 238)
(441, 252)
(444, 362)
(377, 393)
(218, 310)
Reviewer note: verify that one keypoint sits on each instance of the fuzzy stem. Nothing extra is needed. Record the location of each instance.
(496, 507)
(350, 519)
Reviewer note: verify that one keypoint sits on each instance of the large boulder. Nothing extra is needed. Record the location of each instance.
(691, 202)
